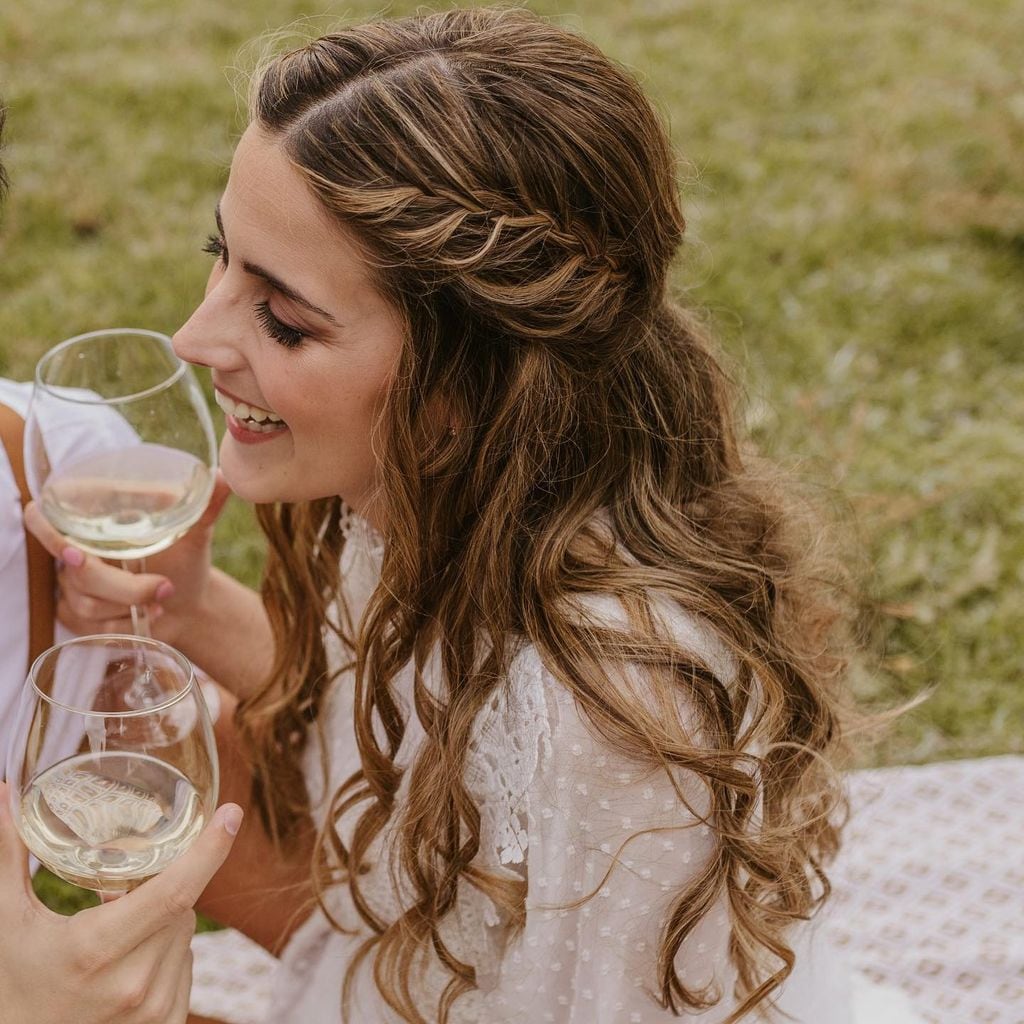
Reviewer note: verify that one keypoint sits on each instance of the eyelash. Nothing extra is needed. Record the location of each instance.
(287, 335)
(215, 247)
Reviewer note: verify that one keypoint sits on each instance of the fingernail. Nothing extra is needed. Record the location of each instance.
(165, 590)
(72, 556)
(232, 820)
(154, 611)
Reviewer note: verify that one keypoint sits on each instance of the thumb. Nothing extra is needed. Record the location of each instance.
(158, 901)
(47, 535)
(14, 873)
(218, 499)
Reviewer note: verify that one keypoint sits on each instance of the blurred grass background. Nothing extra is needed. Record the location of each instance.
(855, 196)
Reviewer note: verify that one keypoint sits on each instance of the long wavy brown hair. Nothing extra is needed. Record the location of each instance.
(516, 194)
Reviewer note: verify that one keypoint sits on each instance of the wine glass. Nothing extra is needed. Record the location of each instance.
(120, 450)
(104, 794)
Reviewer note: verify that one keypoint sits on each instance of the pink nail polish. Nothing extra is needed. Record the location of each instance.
(165, 590)
(72, 556)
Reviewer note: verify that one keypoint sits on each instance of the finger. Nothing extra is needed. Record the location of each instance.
(87, 608)
(92, 615)
(183, 996)
(15, 881)
(218, 499)
(174, 971)
(138, 980)
(82, 627)
(51, 539)
(150, 974)
(101, 580)
(161, 899)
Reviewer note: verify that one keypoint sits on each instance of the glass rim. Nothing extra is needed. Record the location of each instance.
(187, 688)
(171, 379)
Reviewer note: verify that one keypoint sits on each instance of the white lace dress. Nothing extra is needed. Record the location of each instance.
(556, 806)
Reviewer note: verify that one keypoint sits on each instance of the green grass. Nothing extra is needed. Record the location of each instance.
(69, 899)
(855, 197)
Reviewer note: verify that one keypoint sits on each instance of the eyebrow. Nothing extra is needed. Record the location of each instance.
(275, 282)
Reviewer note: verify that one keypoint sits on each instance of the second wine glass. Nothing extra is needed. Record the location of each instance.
(104, 793)
(120, 450)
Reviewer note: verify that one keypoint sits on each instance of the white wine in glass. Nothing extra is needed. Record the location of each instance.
(140, 783)
(127, 503)
(120, 450)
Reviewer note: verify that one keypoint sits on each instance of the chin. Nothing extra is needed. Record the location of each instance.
(250, 488)
(253, 492)
(261, 491)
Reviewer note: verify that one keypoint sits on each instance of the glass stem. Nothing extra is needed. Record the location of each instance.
(140, 616)
(144, 690)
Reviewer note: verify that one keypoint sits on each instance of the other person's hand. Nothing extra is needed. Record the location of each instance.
(128, 961)
(95, 596)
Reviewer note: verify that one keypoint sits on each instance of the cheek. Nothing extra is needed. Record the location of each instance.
(341, 417)
(335, 399)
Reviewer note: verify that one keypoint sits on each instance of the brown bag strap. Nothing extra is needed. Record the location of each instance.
(42, 578)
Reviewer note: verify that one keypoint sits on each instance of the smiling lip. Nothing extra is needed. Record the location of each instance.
(240, 432)
(245, 436)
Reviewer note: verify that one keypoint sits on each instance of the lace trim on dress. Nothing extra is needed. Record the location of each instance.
(357, 530)
(512, 732)
(510, 737)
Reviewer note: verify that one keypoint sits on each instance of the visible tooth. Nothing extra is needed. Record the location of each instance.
(241, 411)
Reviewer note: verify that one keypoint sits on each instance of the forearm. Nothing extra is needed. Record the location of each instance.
(261, 892)
(228, 635)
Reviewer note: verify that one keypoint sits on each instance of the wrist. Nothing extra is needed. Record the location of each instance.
(212, 596)
(184, 627)
(226, 633)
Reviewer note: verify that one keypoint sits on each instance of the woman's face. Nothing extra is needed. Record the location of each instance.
(300, 343)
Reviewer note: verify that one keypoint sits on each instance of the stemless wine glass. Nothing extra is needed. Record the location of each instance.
(126, 399)
(104, 794)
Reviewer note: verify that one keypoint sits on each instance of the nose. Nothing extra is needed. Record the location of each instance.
(213, 336)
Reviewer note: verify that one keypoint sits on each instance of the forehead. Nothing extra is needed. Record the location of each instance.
(272, 217)
(266, 191)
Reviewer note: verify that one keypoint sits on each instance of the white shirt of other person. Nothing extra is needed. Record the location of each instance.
(64, 446)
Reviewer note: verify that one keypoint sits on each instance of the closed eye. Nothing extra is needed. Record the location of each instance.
(290, 337)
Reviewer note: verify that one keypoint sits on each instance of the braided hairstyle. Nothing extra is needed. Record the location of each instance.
(515, 193)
